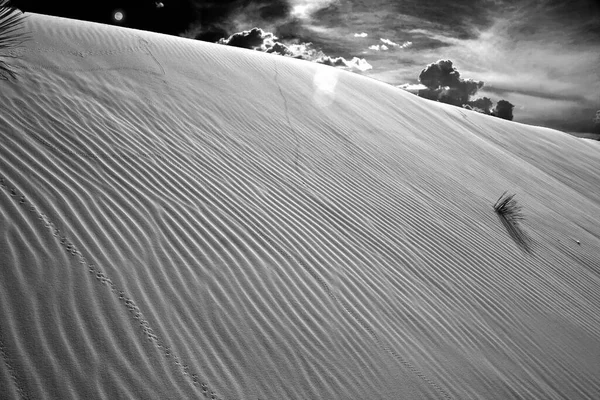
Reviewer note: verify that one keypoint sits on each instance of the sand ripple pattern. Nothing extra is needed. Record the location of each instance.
(13, 375)
(357, 318)
(180, 220)
(324, 284)
(101, 277)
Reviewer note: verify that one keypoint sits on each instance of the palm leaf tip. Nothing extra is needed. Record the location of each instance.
(11, 35)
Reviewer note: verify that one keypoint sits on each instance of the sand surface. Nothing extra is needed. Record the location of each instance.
(184, 220)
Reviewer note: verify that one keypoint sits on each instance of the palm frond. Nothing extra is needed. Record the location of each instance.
(510, 214)
(11, 35)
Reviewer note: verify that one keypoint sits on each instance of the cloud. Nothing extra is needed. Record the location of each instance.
(545, 48)
(439, 74)
(412, 88)
(223, 17)
(482, 105)
(302, 51)
(504, 109)
(517, 86)
(533, 54)
(387, 44)
(377, 47)
(258, 39)
(236, 15)
(253, 39)
(355, 63)
(305, 8)
(444, 84)
(596, 123)
(281, 49)
(564, 115)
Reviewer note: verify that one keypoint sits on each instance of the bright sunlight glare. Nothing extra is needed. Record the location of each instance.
(324, 82)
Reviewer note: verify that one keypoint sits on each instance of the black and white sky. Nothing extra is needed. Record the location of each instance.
(541, 55)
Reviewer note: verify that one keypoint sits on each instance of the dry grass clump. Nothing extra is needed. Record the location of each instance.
(510, 214)
(11, 35)
(507, 208)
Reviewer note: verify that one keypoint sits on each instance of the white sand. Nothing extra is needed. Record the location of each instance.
(184, 220)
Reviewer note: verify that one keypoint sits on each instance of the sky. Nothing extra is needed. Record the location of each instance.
(541, 55)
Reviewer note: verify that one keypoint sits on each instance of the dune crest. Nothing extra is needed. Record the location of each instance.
(181, 219)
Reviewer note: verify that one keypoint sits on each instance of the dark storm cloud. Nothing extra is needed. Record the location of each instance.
(253, 39)
(482, 105)
(444, 83)
(281, 49)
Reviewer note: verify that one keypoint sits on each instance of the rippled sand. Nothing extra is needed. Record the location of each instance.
(186, 220)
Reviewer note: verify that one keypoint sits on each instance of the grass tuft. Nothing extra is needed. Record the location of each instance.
(510, 214)
(507, 208)
(11, 35)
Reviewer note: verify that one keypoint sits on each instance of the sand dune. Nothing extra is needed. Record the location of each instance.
(186, 220)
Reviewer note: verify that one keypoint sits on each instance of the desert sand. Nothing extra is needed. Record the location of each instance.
(184, 220)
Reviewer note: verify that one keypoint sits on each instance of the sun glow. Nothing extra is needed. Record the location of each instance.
(303, 9)
(324, 83)
(300, 11)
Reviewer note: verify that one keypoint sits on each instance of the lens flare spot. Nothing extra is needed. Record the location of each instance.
(324, 83)
(118, 16)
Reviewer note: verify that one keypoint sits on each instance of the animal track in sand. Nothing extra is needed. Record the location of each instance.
(11, 370)
(289, 121)
(143, 47)
(103, 279)
(160, 344)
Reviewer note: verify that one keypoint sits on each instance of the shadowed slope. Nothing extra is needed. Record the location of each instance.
(186, 220)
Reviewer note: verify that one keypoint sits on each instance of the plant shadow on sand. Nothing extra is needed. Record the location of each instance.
(510, 214)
